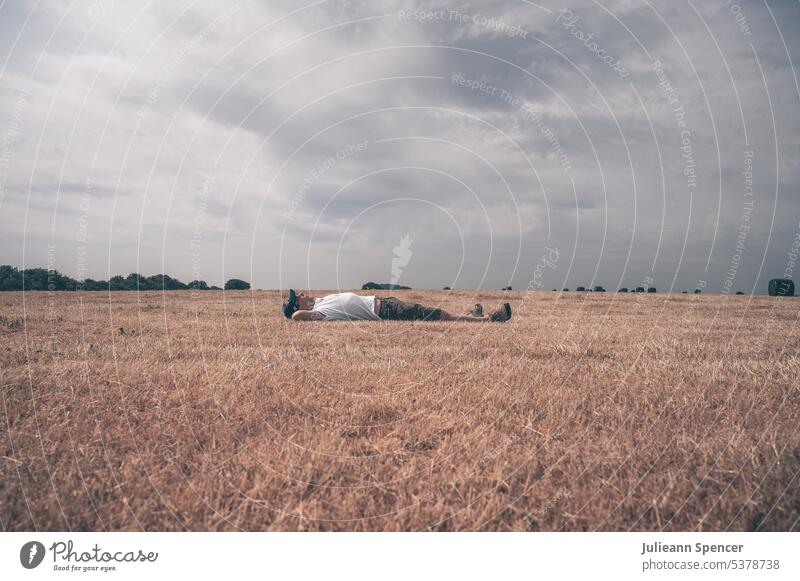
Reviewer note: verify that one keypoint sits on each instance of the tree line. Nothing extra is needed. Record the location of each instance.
(14, 279)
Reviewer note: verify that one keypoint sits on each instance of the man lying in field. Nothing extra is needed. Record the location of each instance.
(353, 307)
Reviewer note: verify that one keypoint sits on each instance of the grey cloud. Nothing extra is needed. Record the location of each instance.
(182, 115)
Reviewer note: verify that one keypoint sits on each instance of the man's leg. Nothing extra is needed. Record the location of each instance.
(397, 310)
(468, 318)
(500, 315)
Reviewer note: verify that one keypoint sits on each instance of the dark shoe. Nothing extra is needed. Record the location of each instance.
(501, 315)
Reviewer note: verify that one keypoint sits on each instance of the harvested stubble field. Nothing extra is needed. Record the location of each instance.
(164, 411)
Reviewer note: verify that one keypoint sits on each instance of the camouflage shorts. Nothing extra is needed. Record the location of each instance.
(393, 309)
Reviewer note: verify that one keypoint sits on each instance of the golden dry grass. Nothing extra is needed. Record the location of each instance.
(587, 411)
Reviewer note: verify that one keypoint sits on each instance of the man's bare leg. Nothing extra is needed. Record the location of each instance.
(468, 318)
(500, 316)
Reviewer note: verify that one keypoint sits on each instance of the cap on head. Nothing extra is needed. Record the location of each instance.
(290, 305)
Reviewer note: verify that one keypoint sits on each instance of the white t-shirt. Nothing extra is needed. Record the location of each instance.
(347, 307)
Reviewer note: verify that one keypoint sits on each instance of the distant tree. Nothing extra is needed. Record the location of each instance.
(164, 282)
(136, 281)
(781, 287)
(446, 288)
(34, 279)
(10, 278)
(198, 285)
(42, 279)
(236, 284)
(156, 282)
(383, 286)
(10, 284)
(89, 284)
(117, 283)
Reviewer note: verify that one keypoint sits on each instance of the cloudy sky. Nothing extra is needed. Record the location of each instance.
(328, 143)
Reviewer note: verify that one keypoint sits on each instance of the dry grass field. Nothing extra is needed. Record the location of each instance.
(164, 411)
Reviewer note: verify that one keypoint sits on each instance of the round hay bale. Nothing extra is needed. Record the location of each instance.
(781, 287)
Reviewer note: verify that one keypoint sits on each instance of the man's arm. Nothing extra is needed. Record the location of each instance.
(308, 316)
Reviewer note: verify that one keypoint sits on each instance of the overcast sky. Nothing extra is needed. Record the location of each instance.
(431, 144)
